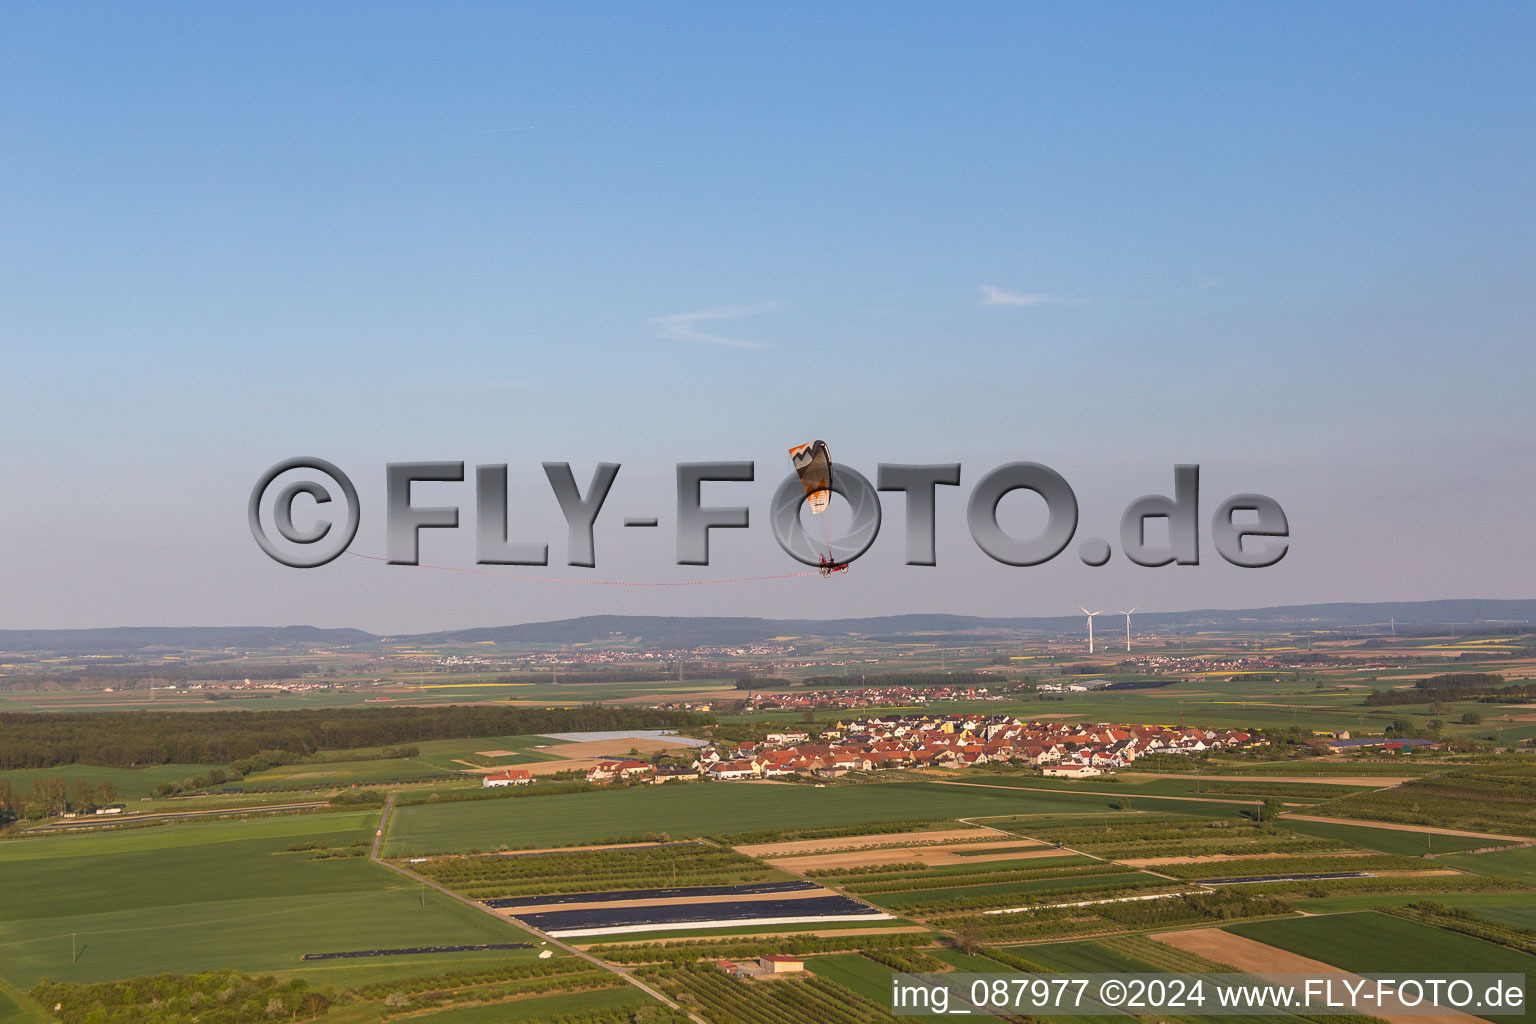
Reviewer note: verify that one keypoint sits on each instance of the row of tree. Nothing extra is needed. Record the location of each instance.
(134, 738)
(49, 797)
(1450, 687)
(142, 677)
(215, 997)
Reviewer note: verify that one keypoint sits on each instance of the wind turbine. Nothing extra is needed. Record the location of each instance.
(1127, 615)
(1090, 615)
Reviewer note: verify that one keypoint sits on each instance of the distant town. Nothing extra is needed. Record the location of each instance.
(891, 742)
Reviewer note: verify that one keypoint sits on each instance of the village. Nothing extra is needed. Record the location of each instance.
(867, 697)
(891, 742)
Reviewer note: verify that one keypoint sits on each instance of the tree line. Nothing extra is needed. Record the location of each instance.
(139, 677)
(50, 797)
(132, 738)
(1451, 687)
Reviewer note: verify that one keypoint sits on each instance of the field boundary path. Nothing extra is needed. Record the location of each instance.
(1398, 826)
(626, 973)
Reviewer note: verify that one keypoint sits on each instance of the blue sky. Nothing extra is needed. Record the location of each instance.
(1293, 245)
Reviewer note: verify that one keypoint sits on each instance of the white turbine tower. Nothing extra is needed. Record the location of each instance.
(1090, 615)
(1127, 615)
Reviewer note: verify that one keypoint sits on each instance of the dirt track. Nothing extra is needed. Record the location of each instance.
(1249, 955)
(1400, 827)
(915, 855)
(1217, 858)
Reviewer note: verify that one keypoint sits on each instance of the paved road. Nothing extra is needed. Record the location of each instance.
(627, 973)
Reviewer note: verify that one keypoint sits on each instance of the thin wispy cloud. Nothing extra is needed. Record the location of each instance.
(993, 296)
(688, 326)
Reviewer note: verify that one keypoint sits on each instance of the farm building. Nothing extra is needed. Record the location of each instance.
(743, 769)
(509, 777)
(1071, 771)
(780, 963)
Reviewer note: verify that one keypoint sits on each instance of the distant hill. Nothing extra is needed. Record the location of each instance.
(1465, 615)
(137, 639)
(673, 631)
(678, 631)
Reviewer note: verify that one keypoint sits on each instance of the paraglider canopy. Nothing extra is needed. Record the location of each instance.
(814, 464)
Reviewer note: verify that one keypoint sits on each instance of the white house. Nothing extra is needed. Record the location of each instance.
(509, 777)
(1071, 771)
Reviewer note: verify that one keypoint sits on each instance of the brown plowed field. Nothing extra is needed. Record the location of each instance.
(1216, 858)
(930, 855)
(840, 843)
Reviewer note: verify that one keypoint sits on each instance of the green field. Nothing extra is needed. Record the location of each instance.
(366, 765)
(16, 1008)
(131, 783)
(854, 971)
(1131, 784)
(869, 979)
(970, 963)
(1518, 864)
(1386, 840)
(190, 897)
(525, 745)
(341, 773)
(1368, 942)
(702, 809)
(1516, 917)
(1376, 900)
(1498, 797)
(1085, 957)
(1160, 794)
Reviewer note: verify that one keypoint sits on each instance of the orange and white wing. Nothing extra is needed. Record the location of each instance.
(814, 464)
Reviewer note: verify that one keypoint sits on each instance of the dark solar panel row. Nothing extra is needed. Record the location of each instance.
(685, 913)
(615, 895)
(414, 949)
